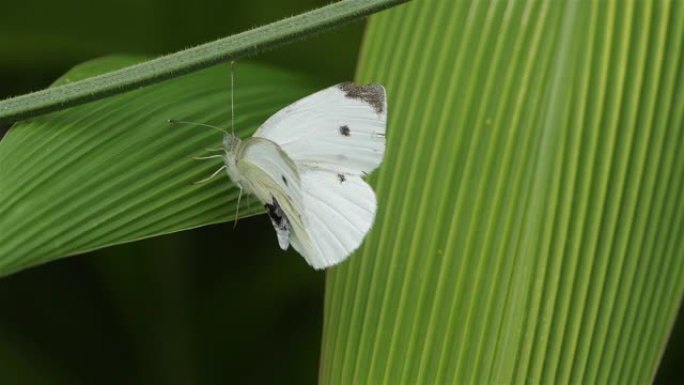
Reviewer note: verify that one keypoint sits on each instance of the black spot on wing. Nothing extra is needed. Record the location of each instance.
(341, 177)
(372, 94)
(284, 179)
(345, 131)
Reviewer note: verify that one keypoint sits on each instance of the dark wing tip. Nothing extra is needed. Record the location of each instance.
(373, 94)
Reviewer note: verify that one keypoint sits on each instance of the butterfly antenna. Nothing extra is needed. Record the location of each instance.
(174, 121)
(232, 97)
(237, 208)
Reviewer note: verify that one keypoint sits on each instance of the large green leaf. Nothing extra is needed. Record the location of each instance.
(115, 171)
(530, 227)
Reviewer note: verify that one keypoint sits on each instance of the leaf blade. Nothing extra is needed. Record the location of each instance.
(528, 217)
(115, 170)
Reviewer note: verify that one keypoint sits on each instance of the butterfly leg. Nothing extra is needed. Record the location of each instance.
(211, 176)
(210, 150)
(207, 157)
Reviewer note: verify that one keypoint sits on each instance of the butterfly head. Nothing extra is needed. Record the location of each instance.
(230, 143)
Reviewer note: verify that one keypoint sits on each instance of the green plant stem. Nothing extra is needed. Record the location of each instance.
(230, 48)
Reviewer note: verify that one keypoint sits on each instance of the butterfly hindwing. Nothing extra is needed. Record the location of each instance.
(339, 212)
(268, 173)
(324, 215)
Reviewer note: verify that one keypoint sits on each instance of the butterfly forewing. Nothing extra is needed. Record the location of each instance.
(341, 128)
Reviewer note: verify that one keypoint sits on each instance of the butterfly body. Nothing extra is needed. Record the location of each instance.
(305, 164)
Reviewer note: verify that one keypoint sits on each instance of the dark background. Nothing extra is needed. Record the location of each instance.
(212, 305)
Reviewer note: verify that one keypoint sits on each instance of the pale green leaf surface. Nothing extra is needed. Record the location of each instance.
(115, 170)
(531, 223)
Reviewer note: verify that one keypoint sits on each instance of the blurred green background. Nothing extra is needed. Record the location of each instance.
(212, 305)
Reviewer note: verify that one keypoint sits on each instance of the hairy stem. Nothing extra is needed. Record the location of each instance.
(233, 47)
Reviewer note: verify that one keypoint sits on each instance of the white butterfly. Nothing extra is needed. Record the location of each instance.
(305, 165)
